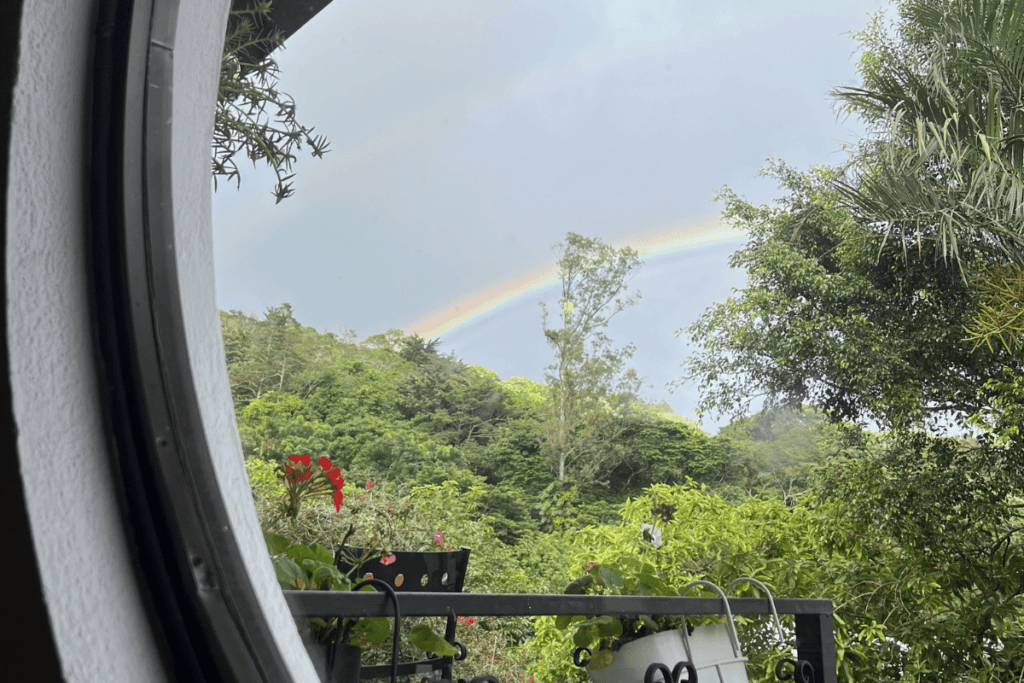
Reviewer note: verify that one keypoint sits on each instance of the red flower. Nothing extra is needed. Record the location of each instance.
(300, 459)
(325, 464)
(390, 559)
(369, 485)
(336, 478)
(338, 498)
(470, 620)
(439, 537)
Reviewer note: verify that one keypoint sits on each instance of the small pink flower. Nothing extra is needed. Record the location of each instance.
(439, 537)
(390, 559)
(369, 485)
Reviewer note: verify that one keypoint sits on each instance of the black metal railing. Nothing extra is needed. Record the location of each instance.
(815, 639)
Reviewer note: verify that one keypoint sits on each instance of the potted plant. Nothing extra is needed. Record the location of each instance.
(655, 648)
(335, 645)
(617, 646)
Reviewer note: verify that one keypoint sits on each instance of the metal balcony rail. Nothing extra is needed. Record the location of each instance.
(815, 639)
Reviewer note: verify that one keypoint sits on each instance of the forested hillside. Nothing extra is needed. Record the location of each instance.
(396, 408)
(438, 453)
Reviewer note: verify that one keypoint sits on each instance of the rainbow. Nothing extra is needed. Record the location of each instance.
(661, 241)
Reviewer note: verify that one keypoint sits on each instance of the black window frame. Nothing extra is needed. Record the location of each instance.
(206, 617)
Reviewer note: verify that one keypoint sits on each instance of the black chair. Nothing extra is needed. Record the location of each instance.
(437, 572)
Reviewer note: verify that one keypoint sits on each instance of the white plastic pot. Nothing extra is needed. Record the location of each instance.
(713, 650)
(631, 661)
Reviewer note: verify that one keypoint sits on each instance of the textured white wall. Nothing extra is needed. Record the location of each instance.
(88, 581)
(89, 586)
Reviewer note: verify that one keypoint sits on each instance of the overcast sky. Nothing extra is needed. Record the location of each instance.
(468, 137)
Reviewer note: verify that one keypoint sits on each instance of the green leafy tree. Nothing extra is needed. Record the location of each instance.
(780, 449)
(865, 331)
(253, 117)
(588, 372)
(279, 424)
(922, 539)
(274, 354)
(667, 449)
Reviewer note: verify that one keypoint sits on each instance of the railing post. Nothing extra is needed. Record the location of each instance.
(816, 643)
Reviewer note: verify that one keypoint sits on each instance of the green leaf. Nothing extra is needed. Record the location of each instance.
(327, 576)
(609, 627)
(375, 629)
(610, 577)
(655, 584)
(276, 543)
(600, 660)
(580, 585)
(287, 571)
(583, 637)
(322, 554)
(562, 621)
(428, 641)
(299, 553)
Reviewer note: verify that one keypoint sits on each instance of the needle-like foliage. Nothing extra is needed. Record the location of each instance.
(252, 115)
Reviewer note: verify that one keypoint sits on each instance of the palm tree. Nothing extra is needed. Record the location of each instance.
(946, 163)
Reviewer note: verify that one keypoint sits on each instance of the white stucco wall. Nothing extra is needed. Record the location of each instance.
(88, 581)
(99, 624)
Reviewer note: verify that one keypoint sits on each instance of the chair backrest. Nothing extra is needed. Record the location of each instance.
(433, 572)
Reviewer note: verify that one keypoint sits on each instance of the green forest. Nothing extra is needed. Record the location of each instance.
(881, 326)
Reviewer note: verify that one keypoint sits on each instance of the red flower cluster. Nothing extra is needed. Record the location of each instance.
(330, 471)
(466, 620)
(390, 559)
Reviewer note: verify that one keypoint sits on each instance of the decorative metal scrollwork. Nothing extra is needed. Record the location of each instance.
(803, 671)
(582, 663)
(461, 654)
(673, 676)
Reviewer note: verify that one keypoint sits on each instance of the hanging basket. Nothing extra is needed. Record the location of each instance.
(631, 662)
(714, 650)
(710, 654)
